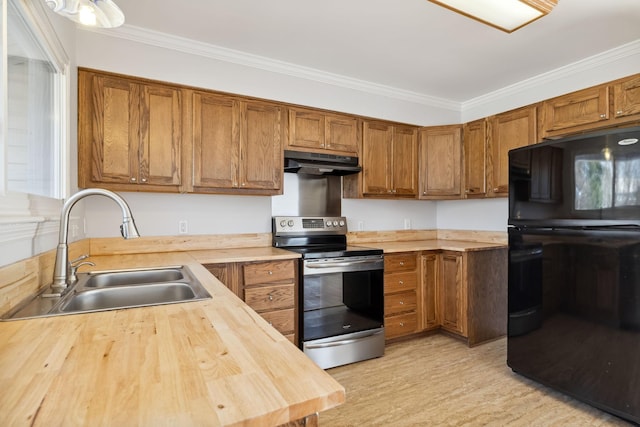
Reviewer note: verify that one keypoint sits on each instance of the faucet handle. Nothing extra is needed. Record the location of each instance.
(73, 278)
(80, 258)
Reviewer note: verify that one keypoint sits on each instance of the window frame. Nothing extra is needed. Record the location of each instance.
(29, 223)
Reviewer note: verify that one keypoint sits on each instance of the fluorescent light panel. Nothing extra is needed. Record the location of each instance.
(506, 15)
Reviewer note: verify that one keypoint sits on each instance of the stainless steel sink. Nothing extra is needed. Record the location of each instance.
(116, 289)
(130, 277)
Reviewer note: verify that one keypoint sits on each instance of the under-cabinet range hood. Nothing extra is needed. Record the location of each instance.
(320, 164)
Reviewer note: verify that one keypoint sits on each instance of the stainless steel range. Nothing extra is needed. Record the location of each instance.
(341, 295)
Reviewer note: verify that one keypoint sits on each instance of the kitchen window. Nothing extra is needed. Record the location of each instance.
(34, 105)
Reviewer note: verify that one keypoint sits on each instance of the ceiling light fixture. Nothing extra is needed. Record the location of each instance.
(93, 13)
(506, 15)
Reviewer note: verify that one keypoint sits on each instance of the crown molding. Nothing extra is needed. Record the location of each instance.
(193, 47)
(604, 58)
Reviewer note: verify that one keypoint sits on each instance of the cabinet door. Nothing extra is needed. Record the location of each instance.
(160, 135)
(261, 156)
(405, 161)
(453, 295)
(216, 141)
(376, 152)
(508, 131)
(113, 119)
(430, 310)
(341, 133)
(440, 151)
(306, 129)
(579, 110)
(626, 98)
(475, 158)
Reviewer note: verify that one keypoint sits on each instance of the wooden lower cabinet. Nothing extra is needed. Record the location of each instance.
(472, 293)
(269, 287)
(401, 278)
(463, 293)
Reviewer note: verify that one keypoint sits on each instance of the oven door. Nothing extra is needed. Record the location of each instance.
(342, 307)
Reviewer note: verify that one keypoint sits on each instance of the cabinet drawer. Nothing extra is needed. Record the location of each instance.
(270, 297)
(404, 324)
(398, 303)
(268, 272)
(283, 320)
(400, 262)
(397, 282)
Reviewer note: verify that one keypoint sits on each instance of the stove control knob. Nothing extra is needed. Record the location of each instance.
(290, 223)
(335, 223)
(328, 223)
(341, 223)
(283, 223)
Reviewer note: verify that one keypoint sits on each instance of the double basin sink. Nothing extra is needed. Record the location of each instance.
(116, 289)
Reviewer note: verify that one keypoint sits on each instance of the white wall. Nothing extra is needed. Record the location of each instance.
(209, 214)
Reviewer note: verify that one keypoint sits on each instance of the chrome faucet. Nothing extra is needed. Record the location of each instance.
(62, 266)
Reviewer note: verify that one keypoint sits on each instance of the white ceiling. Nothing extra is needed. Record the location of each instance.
(410, 45)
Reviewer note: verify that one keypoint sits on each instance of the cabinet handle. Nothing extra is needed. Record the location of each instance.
(401, 302)
(603, 116)
(144, 179)
(401, 282)
(133, 179)
(243, 184)
(401, 323)
(270, 272)
(270, 297)
(496, 189)
(618, 113)
(401, 262)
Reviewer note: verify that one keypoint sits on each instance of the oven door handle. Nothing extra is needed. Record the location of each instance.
(341, 263)
(341, 342)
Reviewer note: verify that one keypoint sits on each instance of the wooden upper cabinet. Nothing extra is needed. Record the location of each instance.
(611, 104)
(313, 130)
(237, 145)
(389, 160)
(626, 98)
(507, 131)
(130, 133)
(261, 139)
(475, 158)
(405, 161)
(216, 141)
(377, 139)
(575, 110)
(439, 160)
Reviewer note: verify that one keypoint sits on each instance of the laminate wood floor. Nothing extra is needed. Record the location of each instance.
(438, 381)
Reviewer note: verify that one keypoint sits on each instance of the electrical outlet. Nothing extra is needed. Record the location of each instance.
(360, 225)
(183, 227)
(407, 224)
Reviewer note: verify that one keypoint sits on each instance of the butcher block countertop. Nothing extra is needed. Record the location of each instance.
(212, 362)
(435, 244)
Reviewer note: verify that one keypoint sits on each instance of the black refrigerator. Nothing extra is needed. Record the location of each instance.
(574, 267)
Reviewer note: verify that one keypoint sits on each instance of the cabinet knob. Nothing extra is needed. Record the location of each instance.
(618, 113)
(270, 272)
(144, 180)
(401, 302)
(496, 190)
(401, 323)
(603, 116)
(401, 282)
(401, 262)
(243, 184)
(270, 297)
(133, 179)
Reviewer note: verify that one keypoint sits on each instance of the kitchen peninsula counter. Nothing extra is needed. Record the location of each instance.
(211, 362)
